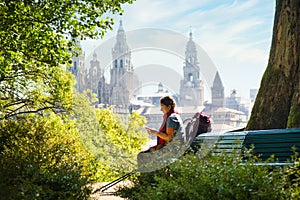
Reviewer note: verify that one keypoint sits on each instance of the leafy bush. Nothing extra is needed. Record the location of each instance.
(43, 158)
(114, 140)
(225, 176)
(292, 179)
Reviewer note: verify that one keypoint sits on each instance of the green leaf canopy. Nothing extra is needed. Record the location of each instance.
(37, 40)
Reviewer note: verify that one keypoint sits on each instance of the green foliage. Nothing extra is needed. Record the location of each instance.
(43, 158)
(292, 178)
(38, 39)
(111, 138)
(215, 177)
(294, 116)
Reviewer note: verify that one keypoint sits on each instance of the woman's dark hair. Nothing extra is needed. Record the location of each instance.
(168, 101)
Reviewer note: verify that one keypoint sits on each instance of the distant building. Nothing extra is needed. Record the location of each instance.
(191, 87)
(236, 102)
(233, 101)
(226, 118)
(119, 91)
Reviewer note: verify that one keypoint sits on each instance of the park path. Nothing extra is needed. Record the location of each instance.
(106, 195)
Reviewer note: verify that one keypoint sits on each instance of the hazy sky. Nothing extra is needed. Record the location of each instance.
(236, 35)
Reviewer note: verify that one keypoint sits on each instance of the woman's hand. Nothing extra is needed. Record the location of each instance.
(168, 136)
(151, 131)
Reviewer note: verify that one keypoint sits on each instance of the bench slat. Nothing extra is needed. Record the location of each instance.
(277, 142)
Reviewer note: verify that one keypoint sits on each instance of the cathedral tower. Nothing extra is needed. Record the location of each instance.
(121, 72)
(103, 90)
(78, 70)
(191, 87)
(94, 74)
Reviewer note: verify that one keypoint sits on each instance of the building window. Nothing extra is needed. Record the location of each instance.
(116, 63)
(121, 63)
(191, 78)
(75, 65)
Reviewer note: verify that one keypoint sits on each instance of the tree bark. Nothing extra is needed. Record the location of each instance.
(277, 104)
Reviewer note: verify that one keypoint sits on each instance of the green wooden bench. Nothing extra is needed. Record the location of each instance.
(264, 143)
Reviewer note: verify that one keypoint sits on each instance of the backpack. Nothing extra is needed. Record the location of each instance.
(199, 123)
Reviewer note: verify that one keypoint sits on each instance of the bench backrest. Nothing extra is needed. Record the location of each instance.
(277, 142)
(280, 143)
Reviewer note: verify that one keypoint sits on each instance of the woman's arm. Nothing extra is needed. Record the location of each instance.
(168, 136)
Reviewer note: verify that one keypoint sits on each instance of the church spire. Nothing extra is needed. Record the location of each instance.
(121, 72)
(94, 56)
(191, 51)
(191, 87)
(121, 26)
(191, 68)
(121, 45)
(217, 92)
(217, 81)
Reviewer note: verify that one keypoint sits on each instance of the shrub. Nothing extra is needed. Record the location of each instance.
(224, 176)
(292, 179)
(114, 140)
(43, 158)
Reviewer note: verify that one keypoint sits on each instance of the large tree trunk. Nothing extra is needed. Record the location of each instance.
(277, 103)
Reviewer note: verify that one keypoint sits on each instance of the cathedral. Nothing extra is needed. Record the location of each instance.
(119, 91)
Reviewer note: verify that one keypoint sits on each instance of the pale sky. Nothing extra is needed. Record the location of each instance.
(235, 35)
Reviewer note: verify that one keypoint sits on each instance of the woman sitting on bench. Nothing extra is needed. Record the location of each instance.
(172, 124)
